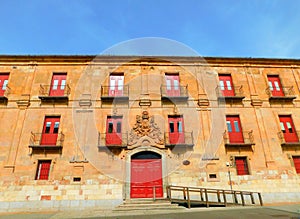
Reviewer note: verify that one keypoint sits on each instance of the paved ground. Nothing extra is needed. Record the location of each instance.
(278, 212)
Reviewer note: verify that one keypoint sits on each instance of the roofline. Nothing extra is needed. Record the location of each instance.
(129, 58)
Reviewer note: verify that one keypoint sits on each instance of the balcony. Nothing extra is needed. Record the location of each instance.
(47, 94)
(246, 143)
(287, 94)
(112, 94)
(4, 94)
(174, 94)
(112, 141)
(176, 139)
(287, 142)
(39, 143)
(236, 94)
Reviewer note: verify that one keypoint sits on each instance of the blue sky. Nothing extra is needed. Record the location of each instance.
(230, 28)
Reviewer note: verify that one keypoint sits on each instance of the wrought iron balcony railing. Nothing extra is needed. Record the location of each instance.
(112, 140)
(287, 141)
(247, 140)
(44, 142)
(47, 91)
(237, 92)
(174, 92)
(288, 93)
(179, 139)
(115, 92)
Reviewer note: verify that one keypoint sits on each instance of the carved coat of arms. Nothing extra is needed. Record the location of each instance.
(145, 126)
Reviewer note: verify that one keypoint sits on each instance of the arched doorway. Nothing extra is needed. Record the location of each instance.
(146, 175)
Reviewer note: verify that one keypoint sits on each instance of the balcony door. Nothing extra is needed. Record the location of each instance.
(176, 129)
(116, 84)
(275, 85)
(226, 85)
(114, 130)
(234, 129)
(50, 130)
(172, 85)
(58, 85)
(3, 83)
(288, 129)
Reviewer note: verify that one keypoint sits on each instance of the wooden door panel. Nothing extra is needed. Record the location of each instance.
(116, 85)
(58, 85)
(176, 130)
(226, 85)
(288, 129)
(114, 131)
(172, 85)
(146, 176)
(234, 128)
(275, 85)
(3, 83)
(50, 131)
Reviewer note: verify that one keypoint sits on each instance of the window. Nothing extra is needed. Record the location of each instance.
(43, 170)
(58, 84)
(275, 85)
(50, 130)
(116, 84)
(234, 129)
(288, 129)
(241, 166)
(176, 129)
(114, 130)
(296, 160)
(172, 82)
(3, 83)
(226, 85)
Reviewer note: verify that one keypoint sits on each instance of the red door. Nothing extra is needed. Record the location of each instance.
(275, 85)
(226, 85)
(3, 83)
(43, 170)
(172, 85)
(146, 178)
(114, 130)
(296, 160)
(58, 85)
(116, 85)
(50, 131)
(241, 166)
(176, 129)
(234, 129)
(288, 129)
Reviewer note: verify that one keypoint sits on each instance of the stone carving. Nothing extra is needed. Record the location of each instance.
(145, 126)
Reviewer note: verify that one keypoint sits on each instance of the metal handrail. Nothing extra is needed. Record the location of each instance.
(185, 138)
(45, 90)
(284, 141)
(106, 91)
(102, 140)
(237, 90)
(35, 139)
(183, 91)
(247, 136)
(287, 91)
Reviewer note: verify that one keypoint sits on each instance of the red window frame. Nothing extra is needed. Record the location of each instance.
(114, 130)
(296, 160)
(241, 165)
(226, 85)
(172, 84)
(288, 128)
(116, 84)
(3, 83)
(275, 85)
(234, 129)
(50, 130)
(58, 84)
(176, 129)
(43, 170)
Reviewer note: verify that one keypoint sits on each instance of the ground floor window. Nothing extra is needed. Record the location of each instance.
(43, 170)
(241, 166)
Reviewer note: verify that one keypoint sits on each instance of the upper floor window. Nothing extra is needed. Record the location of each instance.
(172, 84)
(234, 129)
(50, 130)
(288, 128)
(114, 130)
(58, 84)
(176, 129)
(275, 85)
(3, 83)
(226, 85)
(116, 84)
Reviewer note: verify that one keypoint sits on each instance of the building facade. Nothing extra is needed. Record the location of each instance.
(85, 131)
